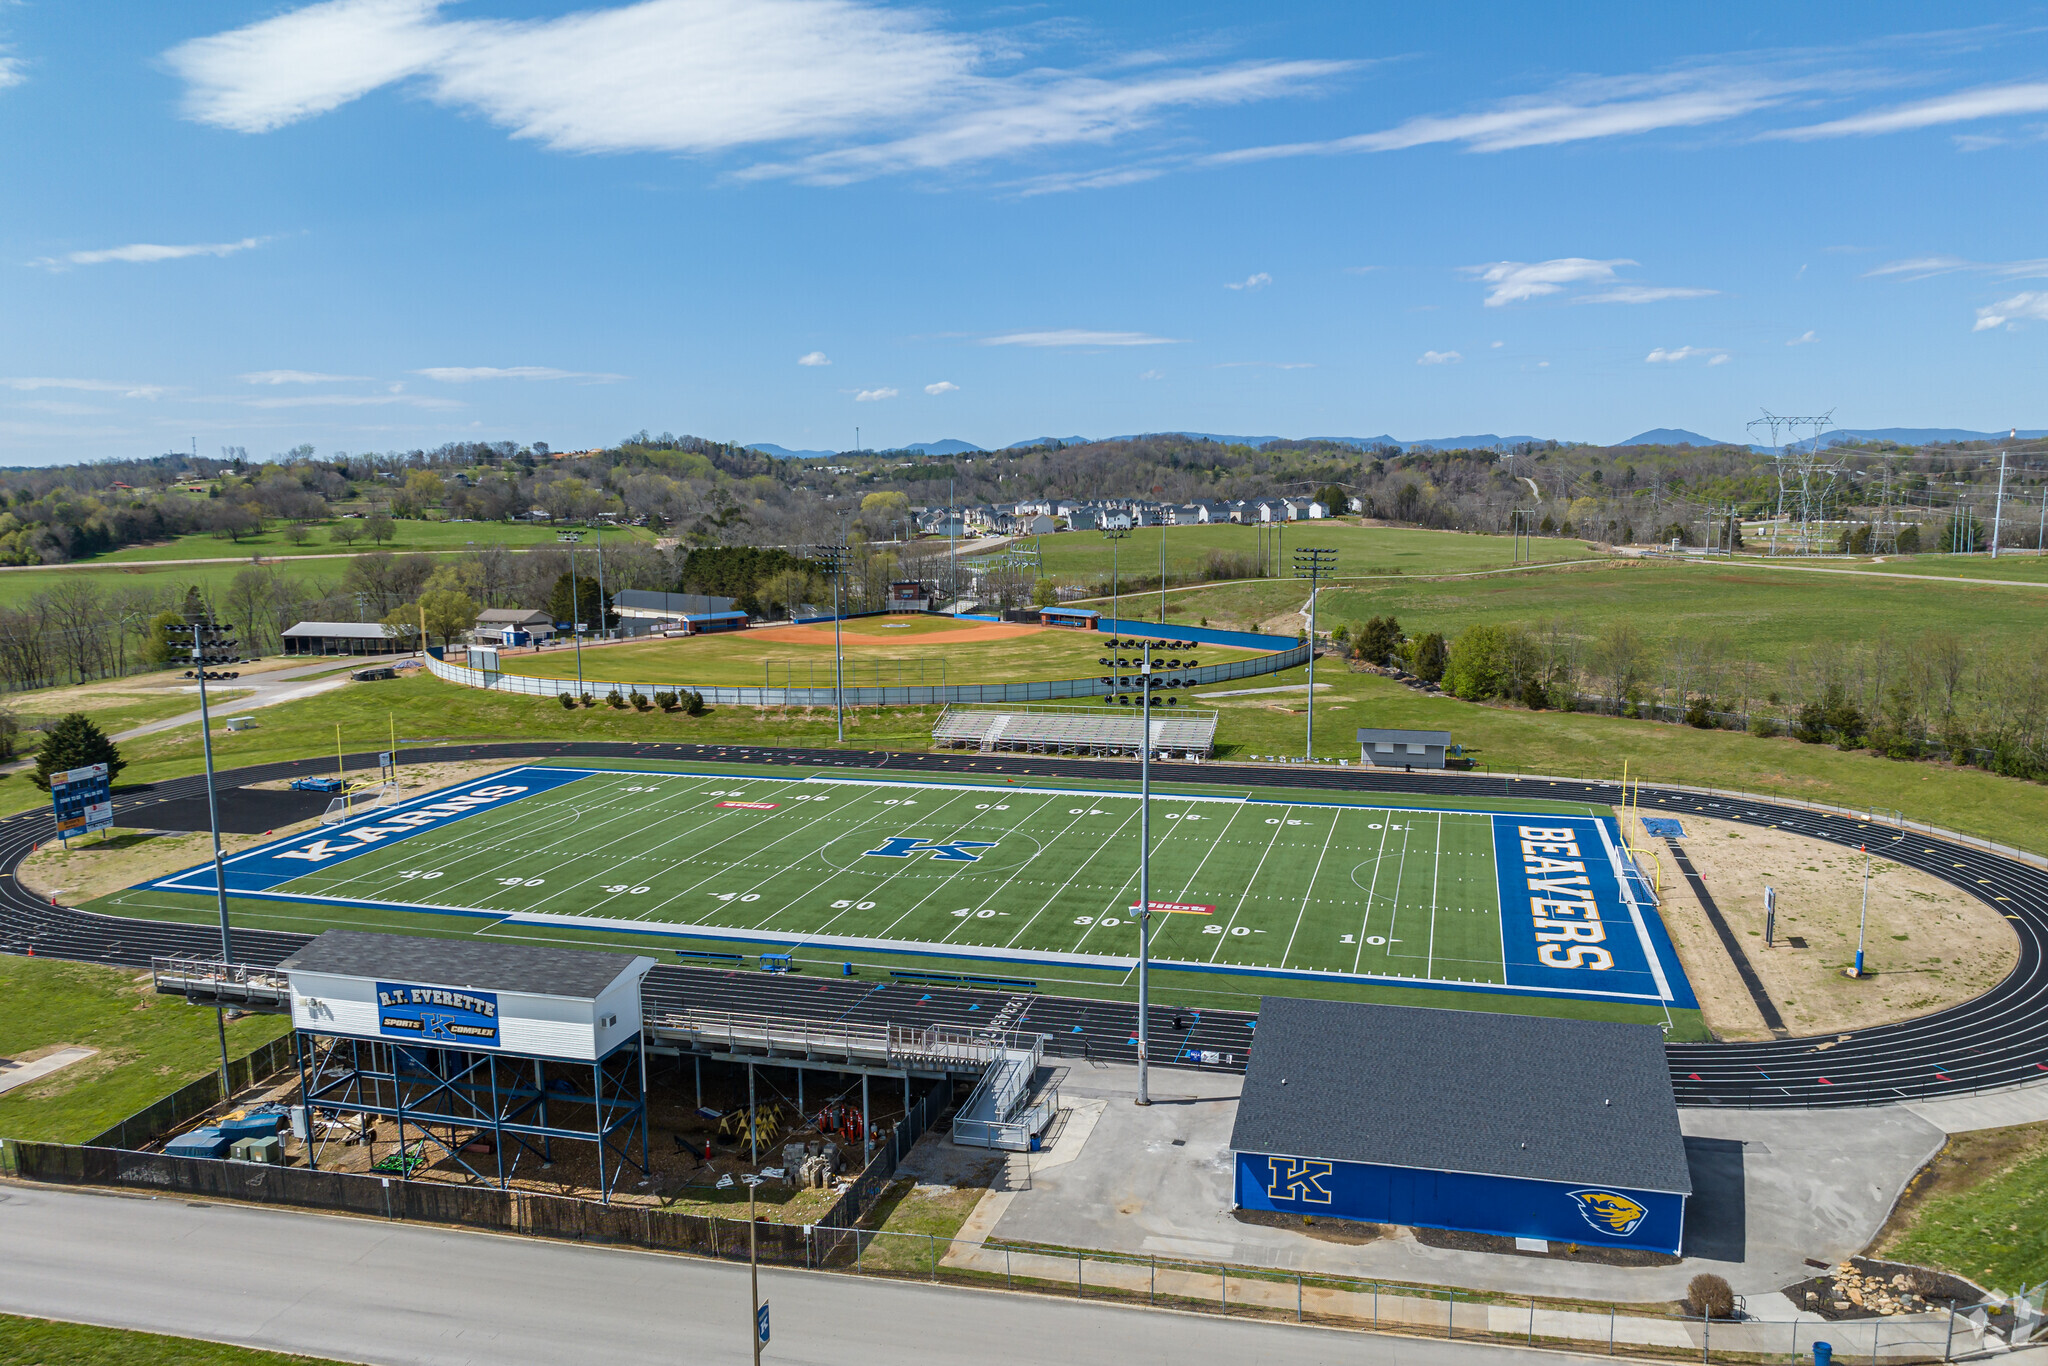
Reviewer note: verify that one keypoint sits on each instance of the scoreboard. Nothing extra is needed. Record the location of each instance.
(82, 799)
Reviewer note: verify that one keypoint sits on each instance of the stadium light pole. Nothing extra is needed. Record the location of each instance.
(1113, 534)
(833, 557)
(200, 631)
(1314, 564)
(571, 539)
(1145, 879)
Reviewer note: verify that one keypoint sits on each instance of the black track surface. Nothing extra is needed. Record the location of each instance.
(1998, 1039)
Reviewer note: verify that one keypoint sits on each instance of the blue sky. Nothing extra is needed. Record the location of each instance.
(370, 224)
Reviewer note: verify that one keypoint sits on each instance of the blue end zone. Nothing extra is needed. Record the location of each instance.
(274, 864)
(1575, 915)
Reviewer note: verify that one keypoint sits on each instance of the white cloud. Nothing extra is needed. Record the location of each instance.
(1608, 107)
(29, 384)
(814, 358)
(1153, 374)
(298, 377)
(139, 253)
(1721, 359)
(1438, 358)
(1496, 345)
(1985, 102)
(348, 401)
(944, 386)
(1663, 356)
(873, 395)
(1264, 365)
(1805, 338)
(889, 86)
(59, 408)
(2028, 307)
(1643, 294)
(1926, 267)
(1258, 281)
(1513, 281)
(1360, 270)
(464, 374)
(1074, 336)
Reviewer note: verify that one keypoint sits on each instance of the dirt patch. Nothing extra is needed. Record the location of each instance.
(1929, 945)
(1864, 1289)
(1345, 1231)
(1559, 1252)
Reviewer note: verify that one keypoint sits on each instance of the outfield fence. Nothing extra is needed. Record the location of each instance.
(1237, 1291)
(1292, 656)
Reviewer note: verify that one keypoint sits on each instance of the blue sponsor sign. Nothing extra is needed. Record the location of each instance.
(1513, 1207)
(83, 800)
(280, 861)
(1574, 917)
(437, 1015)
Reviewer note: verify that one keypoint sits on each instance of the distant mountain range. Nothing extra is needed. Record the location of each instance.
(1656, 436)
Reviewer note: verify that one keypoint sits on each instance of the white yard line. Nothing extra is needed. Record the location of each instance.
(1060, 891)
(987, 901)
(1435, 876)
(1250, 883)
(1310, 892)
(1365, 924)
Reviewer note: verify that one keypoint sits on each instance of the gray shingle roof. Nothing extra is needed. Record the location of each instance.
(1367, 735)
(579, 974)
(341, 630)
(1463, 1090)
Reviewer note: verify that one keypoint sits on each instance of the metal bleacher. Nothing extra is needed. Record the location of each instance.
(1184, 732)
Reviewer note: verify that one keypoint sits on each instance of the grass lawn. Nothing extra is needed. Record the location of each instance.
(1980, 1209)
(19, 585)
(879, 652)
(1076, 556)
(149, 1045)
(41, 1342)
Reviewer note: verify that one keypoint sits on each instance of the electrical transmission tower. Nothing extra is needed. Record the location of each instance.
(1803, 475)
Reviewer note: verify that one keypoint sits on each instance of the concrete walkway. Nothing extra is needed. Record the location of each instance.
(1772, 1189)
(265, 689)
(1985, 1110)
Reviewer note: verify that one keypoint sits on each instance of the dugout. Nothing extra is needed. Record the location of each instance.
(469, 1045)
(1515, 1125)
(1081, 618)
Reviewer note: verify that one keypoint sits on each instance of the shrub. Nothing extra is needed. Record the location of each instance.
(694, 703)
(1697, 716)
(1534, 695)
(615, 698)
(1763, 727)
(589, 701)
(665, 700)
(568, 701)
(639, 700)
(1709, 1295)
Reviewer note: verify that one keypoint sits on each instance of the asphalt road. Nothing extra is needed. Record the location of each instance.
(368, 1291)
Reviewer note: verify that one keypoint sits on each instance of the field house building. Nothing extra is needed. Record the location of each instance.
(1519, 1126)
(1403, 748)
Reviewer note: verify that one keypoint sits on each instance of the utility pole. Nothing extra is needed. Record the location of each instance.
(759, 1326)
(1145, 878)
(1314, 564)
(211, 646)
(1162, 571)
(602, 632)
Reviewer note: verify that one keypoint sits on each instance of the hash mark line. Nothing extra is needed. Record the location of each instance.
(1125, 889)
(1308, 893)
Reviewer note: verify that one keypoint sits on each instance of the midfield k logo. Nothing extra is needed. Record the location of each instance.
(950, 851)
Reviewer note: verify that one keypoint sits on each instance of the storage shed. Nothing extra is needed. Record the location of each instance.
(1403, 748)
(1515, 1125)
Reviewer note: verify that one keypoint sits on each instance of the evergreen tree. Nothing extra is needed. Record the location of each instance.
(76, 741)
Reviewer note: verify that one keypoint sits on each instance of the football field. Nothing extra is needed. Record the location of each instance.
(1013, 877)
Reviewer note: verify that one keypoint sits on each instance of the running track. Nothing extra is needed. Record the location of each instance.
(1998, 1039)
